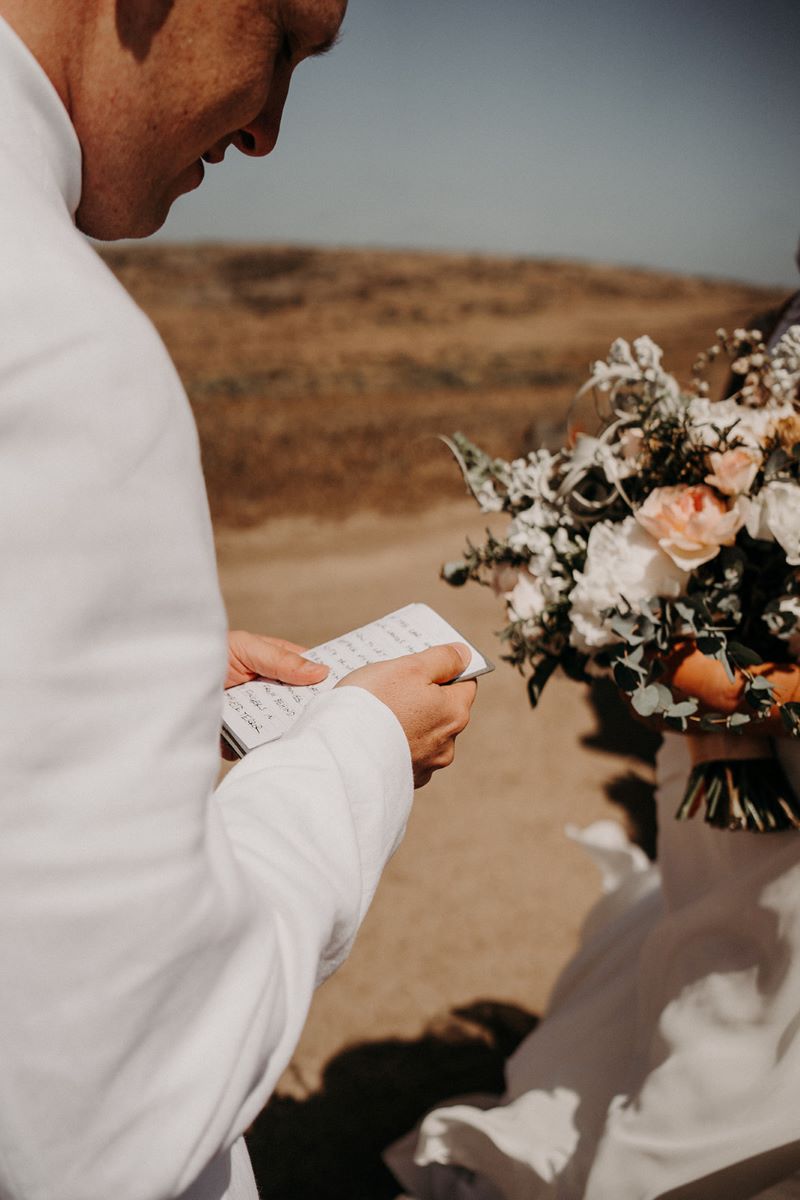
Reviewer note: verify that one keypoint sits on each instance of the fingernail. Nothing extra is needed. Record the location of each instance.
(312, 668)
(464, 652)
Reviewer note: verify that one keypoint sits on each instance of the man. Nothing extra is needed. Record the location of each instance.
(160, 942)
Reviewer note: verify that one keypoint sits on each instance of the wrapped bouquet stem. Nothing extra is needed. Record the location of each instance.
(678, 522)
(737, 782)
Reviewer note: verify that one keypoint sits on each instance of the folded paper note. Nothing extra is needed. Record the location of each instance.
(261, 711)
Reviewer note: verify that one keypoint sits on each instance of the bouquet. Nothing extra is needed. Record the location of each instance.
(677, 522)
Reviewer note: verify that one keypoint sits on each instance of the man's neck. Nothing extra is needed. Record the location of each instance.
(55, 32)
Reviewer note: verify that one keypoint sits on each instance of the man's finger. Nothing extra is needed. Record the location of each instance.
(443, 663)
(251, 655)
(285, 645)
(287, 666)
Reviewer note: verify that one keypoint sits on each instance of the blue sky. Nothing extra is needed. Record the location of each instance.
(654, 132)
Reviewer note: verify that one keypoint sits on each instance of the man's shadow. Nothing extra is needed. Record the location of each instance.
(328, 1145)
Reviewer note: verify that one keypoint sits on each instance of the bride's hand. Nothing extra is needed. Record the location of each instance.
(691, 674)
(252, 655)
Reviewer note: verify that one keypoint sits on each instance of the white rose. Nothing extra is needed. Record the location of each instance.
(774, 515)
(624, 567)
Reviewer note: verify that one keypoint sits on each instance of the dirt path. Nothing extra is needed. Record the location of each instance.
(486, 895)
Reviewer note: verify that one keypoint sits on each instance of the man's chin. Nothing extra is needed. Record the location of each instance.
(106, 226)
(108, 219)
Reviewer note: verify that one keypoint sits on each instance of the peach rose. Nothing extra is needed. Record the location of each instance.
(689, 523)
(733, 471)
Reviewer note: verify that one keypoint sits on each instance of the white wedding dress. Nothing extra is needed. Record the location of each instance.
(668, 1064)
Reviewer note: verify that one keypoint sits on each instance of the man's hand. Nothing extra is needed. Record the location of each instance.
(432, 716)
(251, 655)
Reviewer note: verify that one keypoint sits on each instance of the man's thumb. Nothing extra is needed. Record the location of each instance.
(443, 663)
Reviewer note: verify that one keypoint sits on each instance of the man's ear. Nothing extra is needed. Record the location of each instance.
(138, 22)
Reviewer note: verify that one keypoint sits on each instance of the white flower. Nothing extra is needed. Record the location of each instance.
(528, 590)
(790, 607)
(526, 601)
(733, 471)
(774, 515)
(628, 365)
(562, 543)
(621, 355)
(487, 497)
(786, 363)
(526, 532)
(530, 477)
(624, 567)
(590, 452)
(648, 355)
(631, 444)
(745, 425)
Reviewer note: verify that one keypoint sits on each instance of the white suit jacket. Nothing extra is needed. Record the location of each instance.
(159, 941)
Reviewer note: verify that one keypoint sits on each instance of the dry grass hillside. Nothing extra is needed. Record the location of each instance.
(319, 378)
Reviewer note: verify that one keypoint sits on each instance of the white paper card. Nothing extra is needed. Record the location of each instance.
(261, 711)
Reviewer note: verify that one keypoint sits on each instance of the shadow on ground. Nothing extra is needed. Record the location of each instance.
(620, 734)
(327, 1146)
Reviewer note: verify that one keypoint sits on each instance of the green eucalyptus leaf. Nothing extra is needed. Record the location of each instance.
(743, 656)
(710, 644)
(645, 700)
(790, 715)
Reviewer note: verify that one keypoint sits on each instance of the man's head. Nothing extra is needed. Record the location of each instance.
(153, 87)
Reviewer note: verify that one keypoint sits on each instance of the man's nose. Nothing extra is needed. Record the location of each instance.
(260, 136)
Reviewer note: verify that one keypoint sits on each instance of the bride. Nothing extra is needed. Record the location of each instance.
(668, 1064)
